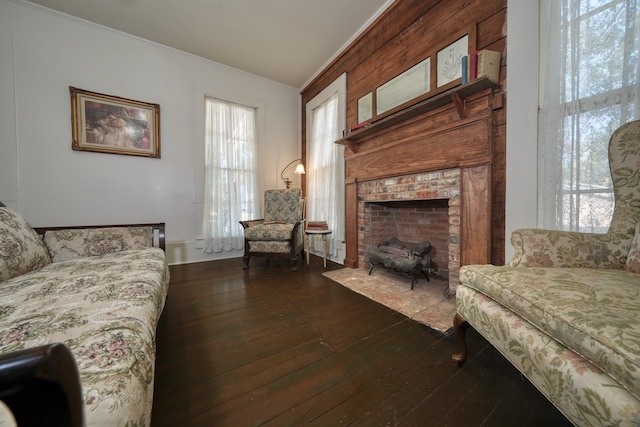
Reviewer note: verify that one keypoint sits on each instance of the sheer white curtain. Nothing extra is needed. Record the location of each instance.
(325, 171)
(231, 186)
(590, 86)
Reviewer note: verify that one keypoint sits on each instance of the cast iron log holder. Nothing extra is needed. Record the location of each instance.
(402, 257)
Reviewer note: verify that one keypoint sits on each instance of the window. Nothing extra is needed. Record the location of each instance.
(591, 86)
(325, 164)
(231, 190)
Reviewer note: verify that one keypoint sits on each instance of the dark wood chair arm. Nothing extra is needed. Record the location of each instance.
(41, 386)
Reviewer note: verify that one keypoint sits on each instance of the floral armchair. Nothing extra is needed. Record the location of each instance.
(566, 310)
(546, 248)
(281, 232)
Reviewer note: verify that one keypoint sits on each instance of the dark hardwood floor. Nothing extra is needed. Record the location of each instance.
(267, 346)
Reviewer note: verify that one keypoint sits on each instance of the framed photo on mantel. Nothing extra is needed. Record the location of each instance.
(450, 60)
(110, 124)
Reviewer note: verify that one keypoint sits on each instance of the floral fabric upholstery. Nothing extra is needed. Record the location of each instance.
(633, 260)
(283, 205)
(566, 310)
(21, 249)
(549, 248)
(270, 247)
(581, 391)
(70, 244)
(265, 232)
(272, 238)
(545, 248)
(594, 312)
(105, 309)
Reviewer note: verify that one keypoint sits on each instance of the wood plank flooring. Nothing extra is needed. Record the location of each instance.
(267, 346)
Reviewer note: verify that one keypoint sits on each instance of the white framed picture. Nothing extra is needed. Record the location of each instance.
(449, 61)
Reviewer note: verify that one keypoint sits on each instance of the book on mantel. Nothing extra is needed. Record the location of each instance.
(489, 64)
(479, 64)
(317, 225)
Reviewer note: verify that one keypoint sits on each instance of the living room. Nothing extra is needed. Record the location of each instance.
(45, 52)
(40, 169)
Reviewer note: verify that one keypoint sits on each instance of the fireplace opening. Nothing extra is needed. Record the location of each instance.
(414, 208)
(412, 221)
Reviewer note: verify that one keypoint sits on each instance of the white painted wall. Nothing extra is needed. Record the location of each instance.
(522, 117)
(42, 53)
(8, 146)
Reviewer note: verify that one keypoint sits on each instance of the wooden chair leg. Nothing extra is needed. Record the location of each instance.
(245, 258)
(460, 327)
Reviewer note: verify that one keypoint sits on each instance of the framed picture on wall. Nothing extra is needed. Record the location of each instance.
(110, 124)
(410, 84)
(450, 60)
(365, 107)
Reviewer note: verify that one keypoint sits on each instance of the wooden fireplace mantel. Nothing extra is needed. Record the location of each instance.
(451, 130)
(457, 96)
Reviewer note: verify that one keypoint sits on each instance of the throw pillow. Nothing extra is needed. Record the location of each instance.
(21, 248)
(633, 259)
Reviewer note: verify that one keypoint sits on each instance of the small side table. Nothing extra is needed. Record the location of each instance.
(324, 234)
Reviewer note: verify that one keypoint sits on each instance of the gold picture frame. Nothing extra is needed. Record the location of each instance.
(114, 125)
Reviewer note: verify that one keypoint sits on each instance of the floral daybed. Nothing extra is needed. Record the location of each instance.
(566, 310)
(100, 291)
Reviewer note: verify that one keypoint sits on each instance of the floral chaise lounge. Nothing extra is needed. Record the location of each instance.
(100, 292)
(566, 310)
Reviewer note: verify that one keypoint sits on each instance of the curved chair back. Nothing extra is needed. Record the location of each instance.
(624, 162)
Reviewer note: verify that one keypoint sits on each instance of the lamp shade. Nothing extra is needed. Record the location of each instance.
(299, 170)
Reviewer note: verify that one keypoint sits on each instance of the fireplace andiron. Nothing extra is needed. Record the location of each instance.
(402, 257)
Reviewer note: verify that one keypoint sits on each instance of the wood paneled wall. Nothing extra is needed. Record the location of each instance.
(403, 36)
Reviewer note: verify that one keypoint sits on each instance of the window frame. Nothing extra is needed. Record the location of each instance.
(569, 217)
(201, 93)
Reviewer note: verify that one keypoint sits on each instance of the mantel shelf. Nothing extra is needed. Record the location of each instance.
(456, 95)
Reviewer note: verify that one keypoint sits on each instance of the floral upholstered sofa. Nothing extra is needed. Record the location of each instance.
(566, 310)
(99, 291)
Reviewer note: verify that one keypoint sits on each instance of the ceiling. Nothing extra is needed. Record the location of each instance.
(288, 41)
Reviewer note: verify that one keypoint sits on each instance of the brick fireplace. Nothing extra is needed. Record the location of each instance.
(441, 154)
(414, 208)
